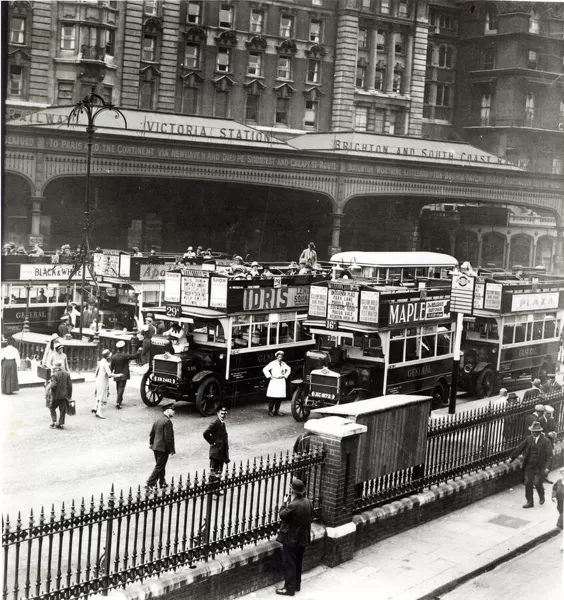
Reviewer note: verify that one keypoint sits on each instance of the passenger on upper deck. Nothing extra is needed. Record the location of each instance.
(254, 271)
(306, 269)
(153, 251)
(207, 253)
(199, 252)
(178, 337)
(36, 251)
(293, 268)
(237, 266)
(189, 253)
(136, 252)
(9, 248)
(266, 272)
(309, 255)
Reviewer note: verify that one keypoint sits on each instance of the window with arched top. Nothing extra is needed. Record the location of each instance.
(430, 54)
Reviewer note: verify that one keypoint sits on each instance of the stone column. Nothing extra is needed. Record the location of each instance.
(533, 253)
(418, 71)
(406, 84)
(506, 252)
(336, 233)
(373, 60)
(36, 214)
(345, 71)
(389, 83)
(339, 438)
(480, 247)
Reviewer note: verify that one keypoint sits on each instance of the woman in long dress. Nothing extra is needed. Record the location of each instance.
(10, 365)
(276, 372)
(49, 351)
(102, 385)
(59, 355)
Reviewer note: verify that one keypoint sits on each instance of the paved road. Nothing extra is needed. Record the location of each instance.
(41, 466)
(537, 574)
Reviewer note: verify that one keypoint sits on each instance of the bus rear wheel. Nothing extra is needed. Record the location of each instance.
(150, 393)
(209, 396)
(485, 384)
(300, 411)
(439, 396)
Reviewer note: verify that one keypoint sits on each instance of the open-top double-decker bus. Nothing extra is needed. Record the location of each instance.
(373, 340)
(229, 329)
(514, 332)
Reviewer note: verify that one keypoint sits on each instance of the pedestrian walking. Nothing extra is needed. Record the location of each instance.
(276, 372)
(61, 391)
(10, 360)
(548, 423)
(216, 436)
(532, 393)
(536, 452)
(102, 385)
(119, 366)
(49, 352)
(161, 442)
(60, 356)
(296, 516)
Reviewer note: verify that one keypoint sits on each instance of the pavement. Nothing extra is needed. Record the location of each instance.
(428, 561)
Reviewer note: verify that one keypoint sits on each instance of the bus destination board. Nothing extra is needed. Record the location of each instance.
(195, 291)
(342, 305)
(369, 304)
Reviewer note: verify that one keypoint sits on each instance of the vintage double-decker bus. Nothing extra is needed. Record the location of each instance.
(514, 332)
(227, 330)
(373, 340)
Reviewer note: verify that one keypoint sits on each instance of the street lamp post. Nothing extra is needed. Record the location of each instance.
(90, 107)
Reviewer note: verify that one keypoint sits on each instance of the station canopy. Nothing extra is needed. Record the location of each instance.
(369, 145)
(155, 126)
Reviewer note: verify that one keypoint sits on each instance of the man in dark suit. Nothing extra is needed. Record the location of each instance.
(216, 436)
(536, 451)
(120, 366)
(161, 442)
(61, 390)
(294, 534)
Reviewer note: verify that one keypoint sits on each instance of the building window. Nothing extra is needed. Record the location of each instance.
(443, 95)
(194, 13)
(65, 92)
(107, 93)
(317, 2)
(529, 109)
(403, 9)
(221, 105)
(368, 4)
(192, 56)
(257, 21)
(226, 16)
(17, 30)
(68, 37)
(430, 54)
(363, 37)
(384, 7)
(360, 80)
(110, 42)
(310, 115)
(396, 85)
(379, 78)
(485, 109)
(491, 21)
(252, 108)
(488, 59)
(150, 8)
(255, 64)
(440, 21)
(223, 60)
(561, 113)
(380, 40)
(190, 100)
(286, 26)
(284, 69)
(445, 57)
(282, 107)
(558, 166)
(361, 118)
(146, 95)
(532, 59)
(379, 120)
(15, 80)
(148, 52)
(394, 122)
(399, 42)
(315, 31)
(313, 70)
(534, 24)
(427, 94)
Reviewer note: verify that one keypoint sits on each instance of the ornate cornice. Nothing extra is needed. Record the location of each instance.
(149, 72)
(223, 83)
(195, 34)
(287, 47)
(257, 42)
(316, 50)
(191, 79)
(313, 93)
(255, 87)
(152, 25)
(284, 90)
(226, 38)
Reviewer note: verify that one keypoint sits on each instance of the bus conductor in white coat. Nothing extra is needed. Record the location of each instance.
(276, 371)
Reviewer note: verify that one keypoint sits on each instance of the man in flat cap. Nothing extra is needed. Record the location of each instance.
(161, 442)
(533, 392)
(120, 368)
(537, 452)
(536, 415)
(276, 372)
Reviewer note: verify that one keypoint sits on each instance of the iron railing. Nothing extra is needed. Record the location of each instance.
(457, 445)
(104, 545)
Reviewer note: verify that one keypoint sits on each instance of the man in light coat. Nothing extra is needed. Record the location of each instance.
(276, 372)
(161, 442)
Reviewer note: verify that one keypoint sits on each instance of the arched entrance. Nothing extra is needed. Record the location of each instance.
(15, 214)
(520, 251)
(263, 223)
(466, 247)
(493, 250)
(544, 252)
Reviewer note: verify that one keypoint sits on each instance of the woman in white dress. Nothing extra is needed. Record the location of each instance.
(276, 371)
(59, 355)
(49, 351)
(102, 384)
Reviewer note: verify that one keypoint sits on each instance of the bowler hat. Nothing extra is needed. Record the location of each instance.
(536, 426)
(298, 486)
(168, 404)
(120, 344)
(512, 396)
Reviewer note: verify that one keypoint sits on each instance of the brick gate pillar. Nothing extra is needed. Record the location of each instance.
(339, 439)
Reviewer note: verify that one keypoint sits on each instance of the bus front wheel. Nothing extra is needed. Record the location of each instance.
(300, 411)
(209, 396)
(439, 395)
(150, 393)
(485, 384)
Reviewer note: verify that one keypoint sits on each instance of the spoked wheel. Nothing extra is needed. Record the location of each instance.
(209, 396)
(300, 411)
(150, 391)
(439, 396)
(485, 384)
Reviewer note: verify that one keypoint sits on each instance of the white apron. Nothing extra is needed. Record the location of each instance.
(276, 372)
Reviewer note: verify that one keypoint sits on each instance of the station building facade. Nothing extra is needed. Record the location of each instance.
(381, 76)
